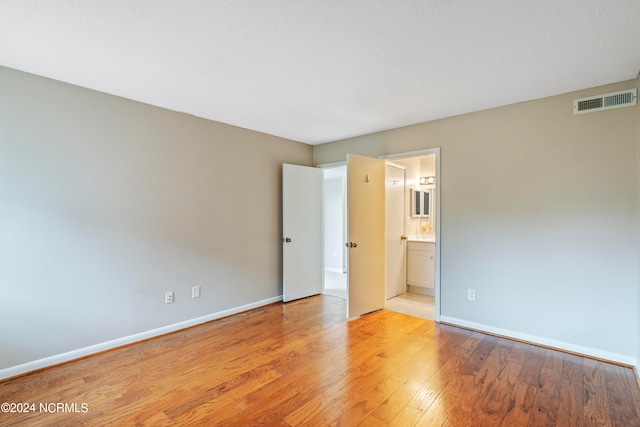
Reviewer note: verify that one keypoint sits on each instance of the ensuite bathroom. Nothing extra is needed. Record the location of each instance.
(411, 206)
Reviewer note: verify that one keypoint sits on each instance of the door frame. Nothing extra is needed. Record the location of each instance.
(409, 154)
(422, 153)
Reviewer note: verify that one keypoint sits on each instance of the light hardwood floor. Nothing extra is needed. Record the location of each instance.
(302, 363)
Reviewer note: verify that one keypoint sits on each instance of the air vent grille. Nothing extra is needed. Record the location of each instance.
(621, 98)
(607, 101)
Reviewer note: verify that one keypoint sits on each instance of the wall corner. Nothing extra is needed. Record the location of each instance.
(637, 367)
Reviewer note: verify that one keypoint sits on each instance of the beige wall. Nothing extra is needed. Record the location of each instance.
(638, 199)
(538, 214)
(106, 204)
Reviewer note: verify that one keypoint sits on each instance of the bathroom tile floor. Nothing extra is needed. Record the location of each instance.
(413, 304)
(410, 303)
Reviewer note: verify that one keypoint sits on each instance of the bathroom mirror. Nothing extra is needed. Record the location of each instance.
(420, 203)
(416, 203)
(426, 205)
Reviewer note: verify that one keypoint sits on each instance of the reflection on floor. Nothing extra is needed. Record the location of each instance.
(335, 284)
(410, 303)
(417, 305)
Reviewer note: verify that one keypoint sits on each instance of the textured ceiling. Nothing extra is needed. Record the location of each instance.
(321, 70)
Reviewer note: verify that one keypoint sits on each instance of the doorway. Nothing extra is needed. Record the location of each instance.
(418, 248)
(335, 235)
(414, 300)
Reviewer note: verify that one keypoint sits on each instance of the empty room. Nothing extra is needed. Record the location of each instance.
(319, 213)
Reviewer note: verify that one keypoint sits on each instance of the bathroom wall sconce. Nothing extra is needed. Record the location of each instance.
(425, 180)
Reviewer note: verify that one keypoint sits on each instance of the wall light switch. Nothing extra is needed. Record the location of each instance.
(195, 292)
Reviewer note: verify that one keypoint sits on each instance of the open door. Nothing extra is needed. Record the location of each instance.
(366, 270)
(395, 233)
(302, 231)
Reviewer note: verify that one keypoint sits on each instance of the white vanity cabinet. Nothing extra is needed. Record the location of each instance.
(421, 258)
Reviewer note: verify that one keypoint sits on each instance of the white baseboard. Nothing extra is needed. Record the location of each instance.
(421, 290)
(119, 342)
(335, 294)
(545, 342)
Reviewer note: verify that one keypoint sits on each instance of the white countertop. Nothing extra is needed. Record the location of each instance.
(428, 238)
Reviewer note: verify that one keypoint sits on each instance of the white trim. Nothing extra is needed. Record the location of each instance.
(396, 165)
(417, 153)
(334, 294)
(332, 165)
(421, 290)
(334, 270)
(546, 342)
(119, 342)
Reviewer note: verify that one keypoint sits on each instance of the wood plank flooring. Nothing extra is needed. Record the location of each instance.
(303, 364)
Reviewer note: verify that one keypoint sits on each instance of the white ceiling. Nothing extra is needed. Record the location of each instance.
(321, 70)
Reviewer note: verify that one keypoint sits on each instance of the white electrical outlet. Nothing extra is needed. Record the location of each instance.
(471, 294)
(195, 292)
(168, 298)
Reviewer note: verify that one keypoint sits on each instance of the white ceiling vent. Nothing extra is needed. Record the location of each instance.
(607, 101)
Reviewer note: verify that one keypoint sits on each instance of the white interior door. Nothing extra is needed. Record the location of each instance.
(302, 231)
(366, 231)
(395, 233)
